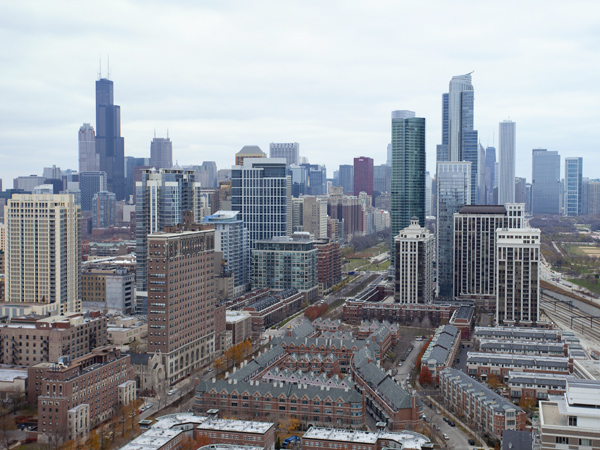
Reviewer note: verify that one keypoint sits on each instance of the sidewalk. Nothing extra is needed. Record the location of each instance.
(460, 422)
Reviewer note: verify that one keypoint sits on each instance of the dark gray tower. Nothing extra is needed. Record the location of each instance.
(110, 146)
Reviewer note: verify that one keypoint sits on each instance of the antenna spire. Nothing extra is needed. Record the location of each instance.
(99, 67)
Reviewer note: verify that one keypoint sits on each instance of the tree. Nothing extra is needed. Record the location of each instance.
(278, 443)
(189, 443)
(527, 403)
(136, 346)
(219, 364)
(425, 376)
(93, 441)
(494, 381)
(7, 425)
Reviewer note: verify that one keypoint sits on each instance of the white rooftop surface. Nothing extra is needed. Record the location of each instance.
(171, 420)
(407, 439)
(517, 356)
(229, 447)
(244, 426)
(152, 439)
(10, 374)
(236, 316)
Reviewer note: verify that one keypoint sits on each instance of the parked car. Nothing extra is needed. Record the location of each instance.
(451, 423)
(471, 442)
(446, 436)
(446, 419)
(171, 392)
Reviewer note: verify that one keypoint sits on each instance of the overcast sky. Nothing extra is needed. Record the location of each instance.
(223, 74)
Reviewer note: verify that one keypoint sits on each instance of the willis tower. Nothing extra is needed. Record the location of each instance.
(110, 146)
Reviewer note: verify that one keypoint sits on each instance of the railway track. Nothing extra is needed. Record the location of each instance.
(571, 317)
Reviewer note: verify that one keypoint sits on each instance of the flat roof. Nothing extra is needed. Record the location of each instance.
(242, 426)
(408, 439)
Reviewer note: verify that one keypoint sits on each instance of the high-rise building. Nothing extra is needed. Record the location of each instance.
(573, 186)
(585, 194)
(316, 179)
(428, 194)
(206, 174)
(261, 192)
(489, 178)
(309, 213)
(413, 264)
(248, 152)
(299, 178)
(285, 262)
(545, 181)
(517, 275)
(43, 252)
(594, 198)
(363, 175)
(389, 156)
(329, 264)
(104, 209)
(408, 171)
(90, 183)
(520, 184)
(290, 151)
(475, 249)
(89, 160)
(347, 178)
(506, 170)
(181, 299)
(453, 192)
(231, 239)
(110, 146)
(382, 178)
(27, 183)
(161, 153)
(163, 199)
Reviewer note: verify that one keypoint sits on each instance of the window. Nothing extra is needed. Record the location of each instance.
(585, 442)
(572, 421)
(562, 440)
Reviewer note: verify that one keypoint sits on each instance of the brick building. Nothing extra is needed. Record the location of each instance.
(109, 288)
(74, 396)
(319, 438)
(355, 311)
(329, 265)
(482, 365)
(537, 385)
(443, 348)
(29, 340)
(240, 325)
(237, 432)
(478, 405)
(181, 299)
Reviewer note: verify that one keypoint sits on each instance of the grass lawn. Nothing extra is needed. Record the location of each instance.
(354, 263)
(591, 284)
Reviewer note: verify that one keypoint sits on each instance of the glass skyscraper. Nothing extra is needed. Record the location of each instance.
(506, 170)
(453, 192)
(573, 186)
(545, 176)
(408, 171)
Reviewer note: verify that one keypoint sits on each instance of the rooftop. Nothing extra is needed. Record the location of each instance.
(406, 439)
(483, 209)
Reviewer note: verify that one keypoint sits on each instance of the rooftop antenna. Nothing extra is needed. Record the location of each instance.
(167, 133)
(100, 67)
(155, 133)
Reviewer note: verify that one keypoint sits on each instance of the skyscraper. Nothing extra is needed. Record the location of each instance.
(43, 252)
(248, 152)
(573, 186)
(408, 171)
(90, 183)
(363, 175)
(89, 160)
(161, 153)
(261, 192)
(347, 178)
(490, 175)
(453, 192)
(545, 179)
(382, 178)
(506, 169)
(289, 151)
(110, 146)
(163, 198)
(104, 209)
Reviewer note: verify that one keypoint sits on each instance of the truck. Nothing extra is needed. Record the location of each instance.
(290, 441)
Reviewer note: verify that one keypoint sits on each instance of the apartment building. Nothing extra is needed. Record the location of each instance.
(181, 299)
(442, 350)
(29, 340)
(482, 365)
(537, 385)
(478, 405)
(522, 347)
(518, 334)
(319, 438)
(108, 289)
(329, 265)
(73, 396)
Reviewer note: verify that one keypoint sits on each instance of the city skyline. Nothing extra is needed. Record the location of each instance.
(333, 110)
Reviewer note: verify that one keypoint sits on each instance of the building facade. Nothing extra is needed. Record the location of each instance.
(89, 160)
(181, 300)
(43, 251)
(363, 175)
(545, 181)
(347, 178)
(408, 172)
(289, 150)
(453, 192)
(90, 183)
(161, 153)
(108, 289)
(573, 186)
(413, 264)
(517, 275)
(104, 209)
(329, 265)
(507, 155)
(248, 152)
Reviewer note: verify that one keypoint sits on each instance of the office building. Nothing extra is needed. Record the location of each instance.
(289, 151)
(231, 239)
(489, 177)
(261, 192)
(545, 180)
(520, 190)
(363, 175)
(309, 213)
(299, 177)
(163, 199)
(248, 152)
(594, 198)
(428, 194)
(457, 116)
(347, 178)
(382, 178)
(161, 153)
(206, 174)
(585, 193)
(284, 262)
(506, 168)
(181, 300)
(453, 192)
(28, 183)
(43, 251)
(475, 249)
(413, 264)
(408, 171)
(517, 275)
(89, 160)
(104, 209)
(316, 179)
(349, 212)
(110, 146)
(573, 186)
(90, 183)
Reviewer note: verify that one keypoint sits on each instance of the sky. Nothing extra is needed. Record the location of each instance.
(219, 75)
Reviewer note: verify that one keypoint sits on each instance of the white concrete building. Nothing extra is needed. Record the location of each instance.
(506, 168)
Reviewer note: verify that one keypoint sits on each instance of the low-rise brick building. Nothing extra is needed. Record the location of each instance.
(319, 438)
(102, 380)
(478, 405)
(482, 365)
(537, 385)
